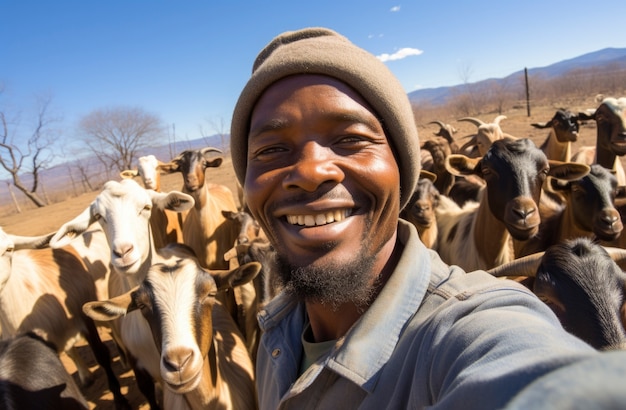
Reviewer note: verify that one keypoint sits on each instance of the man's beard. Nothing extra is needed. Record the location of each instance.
(333, 284)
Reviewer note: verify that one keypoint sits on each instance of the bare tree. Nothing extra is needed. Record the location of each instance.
(218, 127)
(28, 159)
(500, 93)
(465, 100)
(116, 135)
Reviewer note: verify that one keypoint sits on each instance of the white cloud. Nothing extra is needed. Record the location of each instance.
(395, 8)
(399, 55)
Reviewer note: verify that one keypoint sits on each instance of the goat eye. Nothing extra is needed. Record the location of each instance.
(209, 298)
(97, 217)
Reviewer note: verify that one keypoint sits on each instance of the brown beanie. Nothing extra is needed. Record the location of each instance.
(323, 51)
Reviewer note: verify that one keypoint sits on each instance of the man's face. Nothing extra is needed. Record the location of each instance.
(321, 178)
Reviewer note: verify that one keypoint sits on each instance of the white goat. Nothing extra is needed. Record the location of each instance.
(166, 225)
(486, 134)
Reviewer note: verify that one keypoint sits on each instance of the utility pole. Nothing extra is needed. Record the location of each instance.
(527, 92)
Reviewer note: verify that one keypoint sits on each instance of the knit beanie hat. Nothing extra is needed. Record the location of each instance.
(323, 51)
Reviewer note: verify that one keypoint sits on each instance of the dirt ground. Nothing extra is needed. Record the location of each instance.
(49, 218)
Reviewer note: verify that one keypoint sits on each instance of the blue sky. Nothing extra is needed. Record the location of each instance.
(187, 60)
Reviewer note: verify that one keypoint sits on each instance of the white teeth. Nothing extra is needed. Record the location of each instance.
(318, 219)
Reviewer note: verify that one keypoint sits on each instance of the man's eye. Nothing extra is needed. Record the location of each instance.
(269, 151)
(352, 139)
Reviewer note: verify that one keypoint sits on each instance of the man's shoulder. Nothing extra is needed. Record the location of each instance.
(452, 282)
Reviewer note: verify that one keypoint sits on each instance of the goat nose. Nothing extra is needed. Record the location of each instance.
(242, 240)
(123, 249)
(611, 219)
(176, 359)
(524, 213)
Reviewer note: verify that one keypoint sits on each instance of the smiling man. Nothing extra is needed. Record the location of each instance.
(325, 145)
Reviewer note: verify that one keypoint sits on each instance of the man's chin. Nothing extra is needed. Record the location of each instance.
(330, 284)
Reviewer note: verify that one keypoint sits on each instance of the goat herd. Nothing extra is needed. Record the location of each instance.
(177, 278)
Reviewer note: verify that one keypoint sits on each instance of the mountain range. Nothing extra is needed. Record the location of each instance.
(58, 175)
(597, 59)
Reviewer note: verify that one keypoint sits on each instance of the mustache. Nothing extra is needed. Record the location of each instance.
(303, 197)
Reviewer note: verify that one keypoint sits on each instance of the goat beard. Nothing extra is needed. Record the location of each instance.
(332, 284)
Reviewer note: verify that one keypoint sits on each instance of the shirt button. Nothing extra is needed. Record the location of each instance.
(275, 353)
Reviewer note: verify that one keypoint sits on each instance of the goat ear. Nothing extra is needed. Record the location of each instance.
(557, 185)
(168, 167)
(460, 165)
(73, 228)
(213, 163)
(428, 175)
(228, 214)
(174, 201)
(30, 242)
(587, 115)
(106, 310)
(568, 171)
(236, 277)
(541, 125)
(129, 173)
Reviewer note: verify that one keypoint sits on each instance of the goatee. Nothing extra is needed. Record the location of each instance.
(331, 285)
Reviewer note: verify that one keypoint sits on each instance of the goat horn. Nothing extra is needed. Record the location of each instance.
(439, 123)
(499, 118)
(524, 266)
(618, 255)
(473, 120)
(468, 144)
(211, 149)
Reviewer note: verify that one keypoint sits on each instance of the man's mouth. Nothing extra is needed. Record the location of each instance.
(319, 219)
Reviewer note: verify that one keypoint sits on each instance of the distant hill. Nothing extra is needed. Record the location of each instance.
(601, 58)
(58, 177)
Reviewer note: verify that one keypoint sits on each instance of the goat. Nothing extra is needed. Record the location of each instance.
(166, 225)
(439, 150)
(420, 210)
(123, 211)
(610, 117)
(583, 284)
(205, 229)
(563, 132)
(33, 377)
(588, 211)
(478, 236)
(42, 291)
(251, 246)
(445, 131)
(486, 134)
(208, 232)
(248, 229)
(203, 360)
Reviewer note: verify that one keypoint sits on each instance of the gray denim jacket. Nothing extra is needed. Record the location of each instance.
(435, 336)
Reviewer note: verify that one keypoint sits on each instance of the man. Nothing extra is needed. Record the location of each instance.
(325, 145)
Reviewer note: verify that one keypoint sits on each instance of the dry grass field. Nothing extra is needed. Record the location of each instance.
(47, 219)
